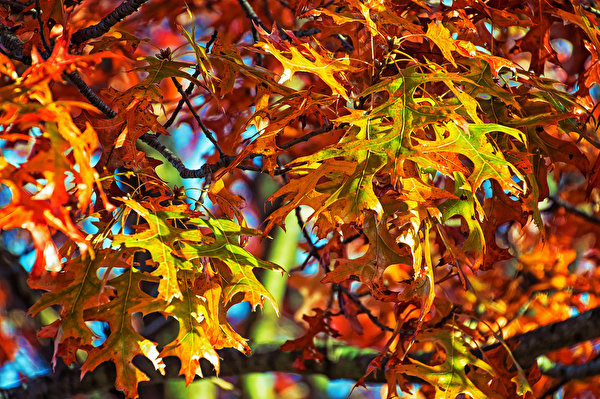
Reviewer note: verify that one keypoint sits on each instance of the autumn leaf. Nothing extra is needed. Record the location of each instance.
(316, 324)
(202, 325)
(76, 288)
(440, 161)
(124, 342)
(450, 378)
(303, 58)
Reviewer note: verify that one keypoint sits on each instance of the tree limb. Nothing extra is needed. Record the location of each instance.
(574, 371)
(89, 94)
(185, 173)
(340, 362)
(551, 337)
(122, 11)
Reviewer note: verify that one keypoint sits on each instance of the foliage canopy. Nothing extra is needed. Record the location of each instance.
(440, 158)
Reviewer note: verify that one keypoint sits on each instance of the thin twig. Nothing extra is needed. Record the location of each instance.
(212, 39)
(38, 15)
(302, 265)
(251, 14)
(252, 168)
(191, 86)
(205, 130)
(188, 91)
(574, 210)
(324, 129)
(122, 11)
(314, 250)
(254, 19)
(367, 311)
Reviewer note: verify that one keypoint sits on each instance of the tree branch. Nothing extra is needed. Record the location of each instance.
(350, 295)
(276, 172)
(254, 19)
(122, 11)
(38, 15)
(252, 16)
(574, 371)
(185, 173)
(89, 94)
(549, 338)
(188, 91)
(340, 362)
(324, 129)
(12, 44)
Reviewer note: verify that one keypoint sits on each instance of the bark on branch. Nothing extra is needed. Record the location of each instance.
(340, 362)
(124, 9)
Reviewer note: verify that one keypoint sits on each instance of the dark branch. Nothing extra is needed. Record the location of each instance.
(12, 44)
(38, 15)
(190, 88)
(276, 172)
(340, 362)
(89, 94)
(124, 9)
(345, 363)
(15, 6)
(251, 14)
(367, 311)
(307, 32)
(314, 250)
(185, 173)
(211, 41)
(542, 340)
(574, 371)
(150, 139)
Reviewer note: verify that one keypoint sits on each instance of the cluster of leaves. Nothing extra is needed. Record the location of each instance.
(419, 135)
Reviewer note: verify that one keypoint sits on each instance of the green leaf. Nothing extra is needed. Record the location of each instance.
(177, 249)
(159, 69)
(473, 142)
